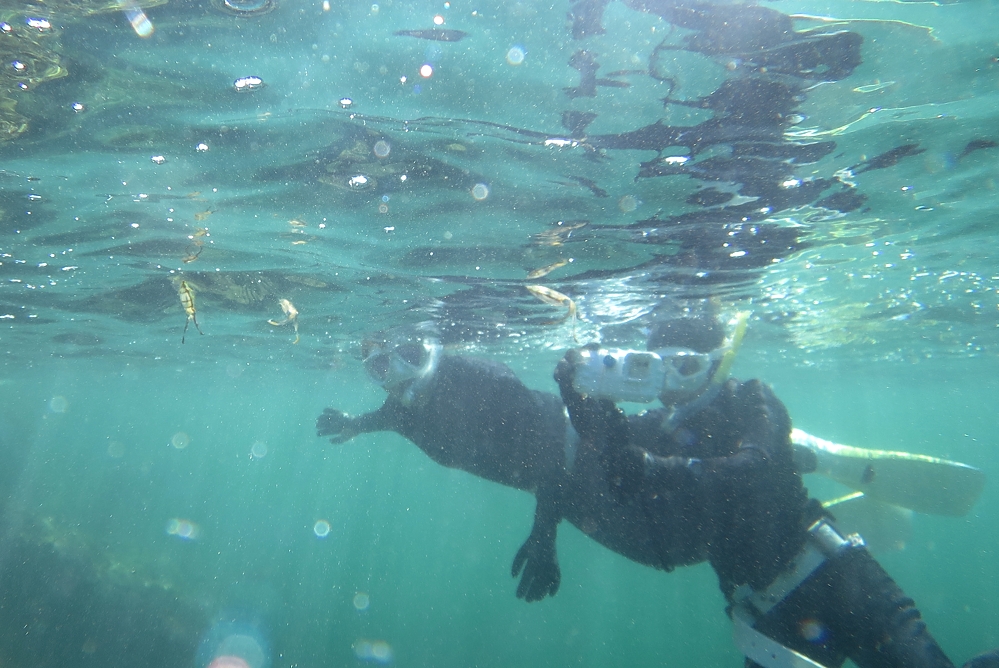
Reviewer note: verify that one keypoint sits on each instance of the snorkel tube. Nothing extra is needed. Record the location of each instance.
(731, 347)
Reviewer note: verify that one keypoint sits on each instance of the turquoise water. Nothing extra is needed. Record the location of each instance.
(875, 323)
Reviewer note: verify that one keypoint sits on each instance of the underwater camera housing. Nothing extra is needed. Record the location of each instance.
(621, 375)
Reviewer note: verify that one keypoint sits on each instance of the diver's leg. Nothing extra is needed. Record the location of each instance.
(888, 628)
(850, 607)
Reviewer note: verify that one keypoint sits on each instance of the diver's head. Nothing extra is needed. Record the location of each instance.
(697, 351)
(401, 363)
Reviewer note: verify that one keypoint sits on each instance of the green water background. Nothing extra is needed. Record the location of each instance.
(892, 355)
(430, 546)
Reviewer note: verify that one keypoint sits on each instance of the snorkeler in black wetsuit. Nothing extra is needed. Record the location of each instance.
(715, 465)
(477, 416)
(710, 477)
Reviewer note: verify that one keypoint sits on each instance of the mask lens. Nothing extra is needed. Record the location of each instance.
(378, 366)
(686, 370)
(689, 365)
(411, 353)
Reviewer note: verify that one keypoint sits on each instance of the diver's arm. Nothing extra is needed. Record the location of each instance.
(537, 556)
(341, 427)
(603, 424)
(596, 420)
(764, 440)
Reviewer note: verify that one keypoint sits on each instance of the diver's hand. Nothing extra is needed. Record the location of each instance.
(540, 564)
(337, 425)
(593, 418)
(565, 371)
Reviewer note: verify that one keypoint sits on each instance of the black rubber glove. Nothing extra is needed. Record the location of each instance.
(540, 564)
(596, 419)
(337, 425)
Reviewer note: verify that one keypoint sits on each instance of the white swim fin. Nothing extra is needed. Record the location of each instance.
(883, 526)
(918, 482)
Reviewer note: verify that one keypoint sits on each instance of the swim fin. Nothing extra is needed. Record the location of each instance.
(885, 527)
(918, 482)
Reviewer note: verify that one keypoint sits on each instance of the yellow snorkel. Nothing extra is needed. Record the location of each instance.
(731, 346)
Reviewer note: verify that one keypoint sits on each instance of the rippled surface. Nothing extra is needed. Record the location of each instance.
(349, 167)
(846, 193)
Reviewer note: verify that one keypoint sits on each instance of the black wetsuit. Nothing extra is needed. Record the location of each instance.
(477, 416)
(741, 504)
(724, 482)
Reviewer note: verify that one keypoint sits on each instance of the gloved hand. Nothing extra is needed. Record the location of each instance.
(540, 564)
(565, 371)
(337, 425)
(592, 418)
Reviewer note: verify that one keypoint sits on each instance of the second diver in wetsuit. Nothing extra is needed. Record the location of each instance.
(714, 471)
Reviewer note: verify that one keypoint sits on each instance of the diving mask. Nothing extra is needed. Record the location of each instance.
(691, 374)
(669, 373)
(393, 364)
(687, 370)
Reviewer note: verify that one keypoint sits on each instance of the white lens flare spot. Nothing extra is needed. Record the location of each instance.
(258, 450)
(480, 191)
(515, 56)
(377, 651)
(321, 529)
(181, 528)
(427, 71)
(141, 24)
(628, 203)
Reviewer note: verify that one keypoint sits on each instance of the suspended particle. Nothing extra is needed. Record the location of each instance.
(358, 182)
(247, 84)
(515, 56)
(41, 25)
(382, 148)
(247, 7)
(346, 103)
